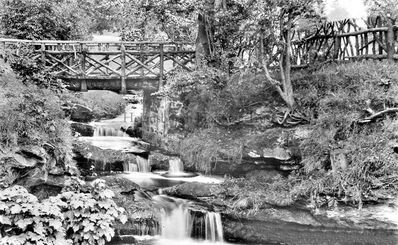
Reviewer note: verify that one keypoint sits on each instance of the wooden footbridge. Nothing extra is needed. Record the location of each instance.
(117, 66)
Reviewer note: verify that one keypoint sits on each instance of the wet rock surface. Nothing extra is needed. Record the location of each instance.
(142, 213)
(81, 113)
(192, 190)
(83, 129)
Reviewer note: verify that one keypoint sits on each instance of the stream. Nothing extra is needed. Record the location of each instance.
(181, 222)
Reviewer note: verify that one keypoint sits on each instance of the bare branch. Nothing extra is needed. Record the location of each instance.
(376, 115)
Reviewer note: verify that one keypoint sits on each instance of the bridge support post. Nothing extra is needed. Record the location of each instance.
(83, 83)
(161, 65)
(123, 89)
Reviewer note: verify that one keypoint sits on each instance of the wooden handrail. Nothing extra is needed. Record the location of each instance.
(39, 42)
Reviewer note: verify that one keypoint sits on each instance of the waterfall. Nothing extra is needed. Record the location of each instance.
(108, 131)
(176, 223)
(143, 165)
(176, 165)
(213, 227)
(130, 167)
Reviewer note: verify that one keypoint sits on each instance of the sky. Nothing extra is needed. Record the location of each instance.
(342, 9)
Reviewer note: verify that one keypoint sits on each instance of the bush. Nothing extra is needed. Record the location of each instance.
(210, 97)
(25, 220)
(339, 96)
(79, 215)
(89, 216)
(105, 104)
(30, 115)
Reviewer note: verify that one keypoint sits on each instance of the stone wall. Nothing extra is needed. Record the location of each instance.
(160, 117)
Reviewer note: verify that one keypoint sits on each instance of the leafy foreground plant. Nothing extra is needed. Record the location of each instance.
(24, 220)
(89, 216)
(80, 215)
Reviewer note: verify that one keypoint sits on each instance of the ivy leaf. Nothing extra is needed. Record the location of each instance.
(15, 209)
(23, 223)
(4, 220)
(123, 218)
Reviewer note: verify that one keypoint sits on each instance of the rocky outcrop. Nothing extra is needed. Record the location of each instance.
(141, 211)
(159, 160)
(81, 113)
(91, 159)
(36, 168)
(83, 129)
(193, 190)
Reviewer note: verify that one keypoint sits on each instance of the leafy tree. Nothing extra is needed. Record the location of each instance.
(383, 8)
(270, 26)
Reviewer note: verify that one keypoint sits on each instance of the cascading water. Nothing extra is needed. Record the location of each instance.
(176, 166)
(143, 165)
(176, 169)
(130, 167)
(213, 227)
(178, 222)
(103, 131)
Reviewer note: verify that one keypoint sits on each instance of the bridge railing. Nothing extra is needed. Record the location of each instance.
(86, 60)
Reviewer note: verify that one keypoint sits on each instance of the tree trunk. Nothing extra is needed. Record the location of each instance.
(287, 81)
(204, 40)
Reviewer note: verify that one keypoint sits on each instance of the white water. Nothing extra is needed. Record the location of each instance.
(213, 228)
(130, 167)
(176, 165)
(143, 165)
(107, 131)
(176, 224)
(125, 144)
(150, 179)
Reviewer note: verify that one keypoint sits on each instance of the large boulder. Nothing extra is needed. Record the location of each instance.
(193, 190)
(20, 161)
(83, 129)
(159, 160)
(142, 213)
(81, 113)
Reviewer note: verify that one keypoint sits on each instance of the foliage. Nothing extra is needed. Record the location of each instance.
(32, 116)
(29, 70)
(105, 104)
(81, 214)
(200, 150)
(25, 220)
(90, 213)
(259, 191)
(40, 19)
(337, 97)
(210, 97)
(384, 8)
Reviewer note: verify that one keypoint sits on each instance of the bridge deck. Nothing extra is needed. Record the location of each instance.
(131, 64)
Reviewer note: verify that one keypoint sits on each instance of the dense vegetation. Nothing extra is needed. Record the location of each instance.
(343, 115)
(81, 214)
(338, 101)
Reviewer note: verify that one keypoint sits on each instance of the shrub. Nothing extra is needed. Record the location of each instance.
(260, 191)
(25, 220)
(210, 97)
(105, 104)
(341, 95)
(90, 212)
(80, 215)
